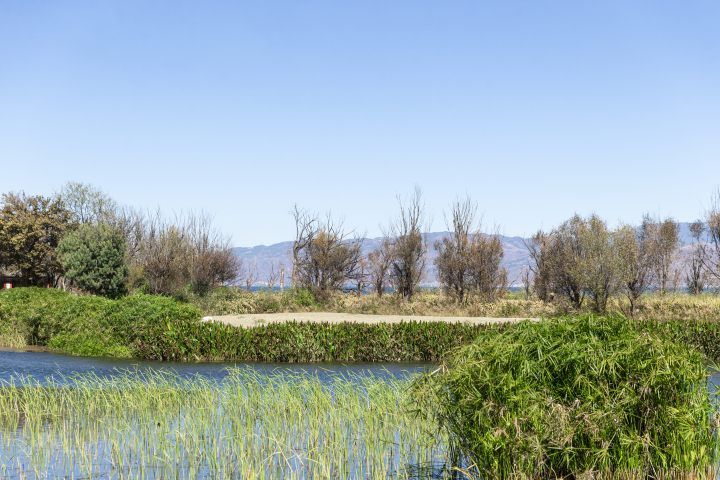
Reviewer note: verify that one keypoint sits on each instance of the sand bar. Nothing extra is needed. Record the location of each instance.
(255, 319)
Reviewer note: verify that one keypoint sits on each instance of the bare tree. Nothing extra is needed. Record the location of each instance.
(306, 227)
(526, 281)
(409, 246)
(165, 255)
(379, 260)
(213, 261)
(695, 276)
(485, 270)
(251, 276)
(330, 259)
(635, 262)
(453, 259)
(469, 258)
(273, 276)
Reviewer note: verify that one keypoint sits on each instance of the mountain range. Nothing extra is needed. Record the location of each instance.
(516, 255)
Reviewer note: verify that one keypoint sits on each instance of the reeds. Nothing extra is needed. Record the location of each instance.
(250, 426)
(588, 397)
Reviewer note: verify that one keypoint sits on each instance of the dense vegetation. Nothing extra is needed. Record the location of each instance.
(157, 327)
(586, 397)
(84, 325)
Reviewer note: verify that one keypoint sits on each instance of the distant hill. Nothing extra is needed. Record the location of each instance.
(516, 255)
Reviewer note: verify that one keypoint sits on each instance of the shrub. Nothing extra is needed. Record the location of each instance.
(86, 325)
(572, 397)
(93, 258)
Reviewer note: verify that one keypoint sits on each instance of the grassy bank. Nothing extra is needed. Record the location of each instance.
(251, 427)
(652, 306)
(160, 328)
(84, 325)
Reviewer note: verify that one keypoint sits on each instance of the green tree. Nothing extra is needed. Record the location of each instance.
(94, 258)
(87, 203)
(30, 229)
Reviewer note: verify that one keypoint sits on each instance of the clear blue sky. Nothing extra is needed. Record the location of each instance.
(536, 109)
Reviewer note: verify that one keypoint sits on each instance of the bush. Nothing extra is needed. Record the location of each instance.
(572, 397)
(94, 259)
(86, 325)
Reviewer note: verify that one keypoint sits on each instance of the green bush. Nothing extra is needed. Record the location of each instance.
(579, 397)
(86, 325)
(94, 258)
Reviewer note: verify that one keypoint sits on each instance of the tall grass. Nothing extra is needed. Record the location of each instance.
(161, 425)
(588, 397)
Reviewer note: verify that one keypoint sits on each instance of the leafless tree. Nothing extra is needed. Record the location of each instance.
(330, 259)
(695, 276)
(379, 260)
(526, 281)
(468, 258)
(306, 227)
(409, 246)
(362, 275)
(165, 255)
(172, 253)
(273, 276)
(486, 272)
(213, 261)
(453, 259)
(635, 262)
(251, 276)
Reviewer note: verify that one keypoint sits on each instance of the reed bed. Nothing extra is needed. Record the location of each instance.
(250, 426)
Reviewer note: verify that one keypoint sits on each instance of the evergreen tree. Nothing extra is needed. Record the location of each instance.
(94, 259)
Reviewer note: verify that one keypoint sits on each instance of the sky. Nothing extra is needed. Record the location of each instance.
(535, 109)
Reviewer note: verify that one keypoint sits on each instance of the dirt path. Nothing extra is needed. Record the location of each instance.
(252, 320)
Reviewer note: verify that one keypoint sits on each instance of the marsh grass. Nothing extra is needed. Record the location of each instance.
(652, 306)
(588, 397)
(250, 426)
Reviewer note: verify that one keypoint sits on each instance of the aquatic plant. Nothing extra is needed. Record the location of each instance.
(587, 397)
(250, 426)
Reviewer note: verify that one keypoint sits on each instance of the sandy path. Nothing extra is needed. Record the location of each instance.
(252, 320)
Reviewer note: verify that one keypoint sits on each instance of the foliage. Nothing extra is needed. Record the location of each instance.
(86, 203)
(30, 229)
(82, 324)
(575, 397)
(94, 259)
(305, 342)
(251, 425)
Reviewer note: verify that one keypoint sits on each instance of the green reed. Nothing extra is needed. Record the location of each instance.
(587, 397)
(250, 426)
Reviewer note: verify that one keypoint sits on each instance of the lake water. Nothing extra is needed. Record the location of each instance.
(41, 365)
